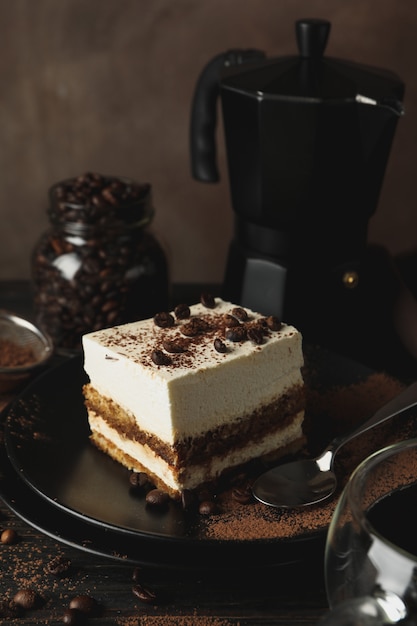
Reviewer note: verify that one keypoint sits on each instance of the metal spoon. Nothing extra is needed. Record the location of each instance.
(305, 482)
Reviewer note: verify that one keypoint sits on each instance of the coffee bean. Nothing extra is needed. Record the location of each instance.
(164, 319)
(273, 322)
(110, 305)
(111, 318)
(10, 610)
(260, 324)
(145, 594)
(92, 266)
(26, 598)
(137, 574)
(139, 480)
(230, 320)
(238, 333)
(175, 346)
(182, 311)
(208, 507)
(160, 358)
(240, 313)
(107, 194)
(196, 326)
(157, 498)
(255, 335)
(190, 330)
(207, 300)
(93, 189)
(242, 495)
(74, 617)
(84, 604)
(9, 536)
(219, 345)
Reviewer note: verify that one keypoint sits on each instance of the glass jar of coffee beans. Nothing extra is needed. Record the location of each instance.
(98, 264)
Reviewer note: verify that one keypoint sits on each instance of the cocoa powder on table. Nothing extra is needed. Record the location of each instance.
(179, 620)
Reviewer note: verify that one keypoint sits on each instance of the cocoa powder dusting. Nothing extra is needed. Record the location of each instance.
(332, 412)
(24, 566)
(15, 355)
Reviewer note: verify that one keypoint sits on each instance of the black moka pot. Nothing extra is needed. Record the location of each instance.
(307, 140)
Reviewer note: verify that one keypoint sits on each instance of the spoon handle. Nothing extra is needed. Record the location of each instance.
(403, 401)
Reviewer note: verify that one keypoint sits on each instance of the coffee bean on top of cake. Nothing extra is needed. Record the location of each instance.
(194, 392)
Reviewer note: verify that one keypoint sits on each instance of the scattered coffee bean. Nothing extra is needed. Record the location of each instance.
(137, 574)
(273, 322)
(255, 335)
(207, 300)
(27, 599)
(160, 358)
(157, 498)
(260, 324)
(139, 480)
(74, 617)
(242, 495)
(164, 319)
(238, 333)
(174, 346)
(182, 311)
(219, 345)
(10, 610)
(84, 604)
(230, 320)
(9, 536)
(194, 327)
(145, 594)
(240, 313)
(208, 507)
(59, 566)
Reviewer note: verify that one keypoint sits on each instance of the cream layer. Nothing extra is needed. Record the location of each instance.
(203, 389)
(192, 476)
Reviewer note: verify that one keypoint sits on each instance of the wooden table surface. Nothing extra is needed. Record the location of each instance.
(290, 594)
(294, 595)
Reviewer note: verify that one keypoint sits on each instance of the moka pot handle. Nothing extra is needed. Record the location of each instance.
(204, 112)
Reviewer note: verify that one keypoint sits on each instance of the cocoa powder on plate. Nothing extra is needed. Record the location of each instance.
(340, 409)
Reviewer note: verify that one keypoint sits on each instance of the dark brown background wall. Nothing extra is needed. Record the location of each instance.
(106, 85)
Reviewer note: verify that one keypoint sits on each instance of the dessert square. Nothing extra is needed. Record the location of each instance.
(190, 394)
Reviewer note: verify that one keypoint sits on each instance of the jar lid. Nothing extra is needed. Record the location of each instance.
(100, 200)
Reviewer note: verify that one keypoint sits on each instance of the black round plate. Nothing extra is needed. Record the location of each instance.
(57, 481)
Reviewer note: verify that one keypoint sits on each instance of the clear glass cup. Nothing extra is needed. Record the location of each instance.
(371, 550)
